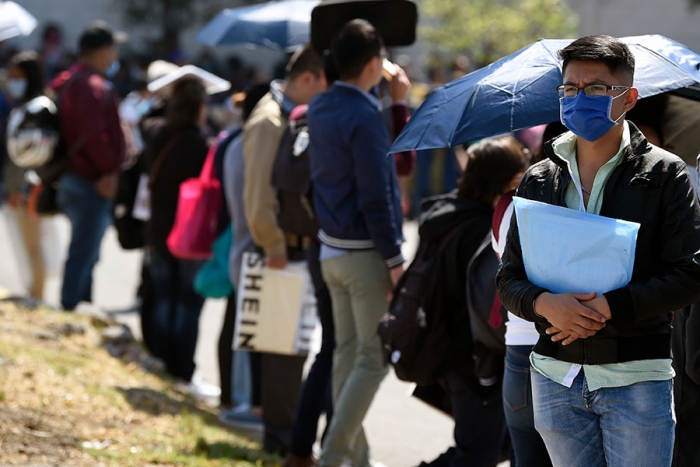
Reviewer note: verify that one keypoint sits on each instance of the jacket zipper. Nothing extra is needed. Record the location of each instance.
(611, 186)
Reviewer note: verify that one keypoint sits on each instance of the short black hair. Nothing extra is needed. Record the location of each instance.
(330, 69)
(601, 48)
(355, 45)
(252, 96)
(306, 59)
(96, 36)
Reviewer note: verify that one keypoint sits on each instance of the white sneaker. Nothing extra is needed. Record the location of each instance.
(198, 388)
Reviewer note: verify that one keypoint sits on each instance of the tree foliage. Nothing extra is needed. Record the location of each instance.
(487, 30)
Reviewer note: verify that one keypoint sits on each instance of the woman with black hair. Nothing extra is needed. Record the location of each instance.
(176, 148)
(494, 166)
(25, 82)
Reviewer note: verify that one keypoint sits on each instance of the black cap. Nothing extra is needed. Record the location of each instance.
(98, 35)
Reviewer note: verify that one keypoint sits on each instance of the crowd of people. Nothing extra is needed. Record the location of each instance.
(581, 379)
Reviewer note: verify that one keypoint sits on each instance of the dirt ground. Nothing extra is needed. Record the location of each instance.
(66, 400)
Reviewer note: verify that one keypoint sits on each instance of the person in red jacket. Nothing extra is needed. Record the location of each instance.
(91, 132)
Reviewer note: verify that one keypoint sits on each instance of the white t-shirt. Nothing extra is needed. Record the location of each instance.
(518, 331)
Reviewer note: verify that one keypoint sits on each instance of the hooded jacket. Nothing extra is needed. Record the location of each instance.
(651, 187)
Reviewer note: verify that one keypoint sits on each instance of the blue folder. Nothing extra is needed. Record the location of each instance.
(565, 250)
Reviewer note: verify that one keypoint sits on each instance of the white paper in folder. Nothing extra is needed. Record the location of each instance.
(565, 250)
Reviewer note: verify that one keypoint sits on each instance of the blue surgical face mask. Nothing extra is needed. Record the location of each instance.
(588, 116)
(16, 88)
(144, 106)
(113, 69)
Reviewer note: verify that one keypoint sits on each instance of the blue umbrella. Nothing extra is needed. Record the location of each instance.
(519, 91)
(282, 25)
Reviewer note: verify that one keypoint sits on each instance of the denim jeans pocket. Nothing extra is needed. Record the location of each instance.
(516, 384)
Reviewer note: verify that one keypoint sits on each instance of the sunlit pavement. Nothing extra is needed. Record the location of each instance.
(402, 431)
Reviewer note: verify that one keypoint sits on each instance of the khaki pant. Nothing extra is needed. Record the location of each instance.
(359, 284)
(30, 228)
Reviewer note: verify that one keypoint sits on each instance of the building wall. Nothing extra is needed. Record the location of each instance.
(73, 15)
(671, 18)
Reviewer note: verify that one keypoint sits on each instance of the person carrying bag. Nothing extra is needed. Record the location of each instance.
(194, 231)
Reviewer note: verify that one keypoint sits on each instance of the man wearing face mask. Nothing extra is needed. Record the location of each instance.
(601, 370)
(94, 142)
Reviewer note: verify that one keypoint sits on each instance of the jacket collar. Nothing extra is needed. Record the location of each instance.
(637, 147)
(286, 104)
(376, 103)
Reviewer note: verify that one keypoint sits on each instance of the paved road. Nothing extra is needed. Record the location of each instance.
(402, 431)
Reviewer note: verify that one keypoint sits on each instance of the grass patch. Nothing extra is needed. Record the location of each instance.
(67, 402)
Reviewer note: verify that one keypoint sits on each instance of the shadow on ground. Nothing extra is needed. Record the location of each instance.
(154, 402)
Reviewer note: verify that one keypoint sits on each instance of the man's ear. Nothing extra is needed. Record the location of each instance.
(372, 65)
(631, 100)
(306, 78)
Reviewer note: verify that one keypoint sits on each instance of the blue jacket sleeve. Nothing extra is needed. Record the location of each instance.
(375, 182)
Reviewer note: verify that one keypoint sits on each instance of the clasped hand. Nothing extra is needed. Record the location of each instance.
(573, 315)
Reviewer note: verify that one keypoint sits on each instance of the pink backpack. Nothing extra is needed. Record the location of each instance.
(194, 230)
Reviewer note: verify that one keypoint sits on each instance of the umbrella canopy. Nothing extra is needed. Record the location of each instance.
(680, 124)
(15, 21)
(519, 91)
(212, 83)
(282, 25)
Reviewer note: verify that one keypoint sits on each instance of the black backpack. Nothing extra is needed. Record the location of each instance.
(291, 177)
(53, 169)
(489, 344)
(413, 333)
(51, 172)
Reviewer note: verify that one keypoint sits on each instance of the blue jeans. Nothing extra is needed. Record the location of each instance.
(316, 396)
(528, 447)
(176, 309)
(617, 427)
(89, 216)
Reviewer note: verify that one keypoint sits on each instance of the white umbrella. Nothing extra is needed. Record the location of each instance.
(212, 83)
(15, 21)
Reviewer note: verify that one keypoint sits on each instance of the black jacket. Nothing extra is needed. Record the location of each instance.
(686, 386)
(439, 216)
(183, 161)
(651, 187)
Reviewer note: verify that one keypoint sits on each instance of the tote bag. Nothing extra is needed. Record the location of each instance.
(276, 308)
(194, 230)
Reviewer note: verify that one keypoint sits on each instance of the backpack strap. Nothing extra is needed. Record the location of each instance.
(495, 319)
